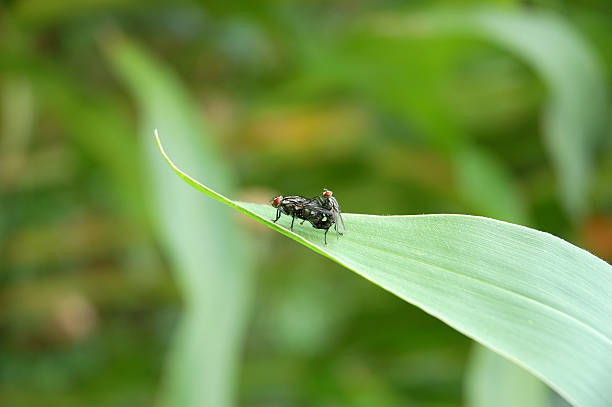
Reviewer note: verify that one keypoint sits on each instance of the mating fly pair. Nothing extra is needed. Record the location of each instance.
(322, 212)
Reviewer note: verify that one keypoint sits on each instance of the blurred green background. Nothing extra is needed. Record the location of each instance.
(121, 286)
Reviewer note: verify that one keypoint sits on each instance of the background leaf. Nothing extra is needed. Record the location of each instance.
(528, 295)
(493, 380)
(574, 118)
(486, 185)
(207, 252)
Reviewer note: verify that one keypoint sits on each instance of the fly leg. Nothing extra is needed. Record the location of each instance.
(302, 222)
(325, 236)
(278, 214)
(292, 220)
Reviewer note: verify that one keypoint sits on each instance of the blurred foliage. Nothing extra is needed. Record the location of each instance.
(298, 96)
(206, 250)
(493, 380)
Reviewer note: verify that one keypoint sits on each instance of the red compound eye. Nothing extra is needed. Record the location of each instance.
(277, 201)
(327, 193)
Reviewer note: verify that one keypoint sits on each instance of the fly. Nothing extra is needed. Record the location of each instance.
(321, 211)
(330, 203)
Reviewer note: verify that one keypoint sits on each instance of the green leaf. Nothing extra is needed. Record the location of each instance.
(206, 250)
(528, 295)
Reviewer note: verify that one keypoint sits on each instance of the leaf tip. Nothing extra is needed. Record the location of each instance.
(158, 142)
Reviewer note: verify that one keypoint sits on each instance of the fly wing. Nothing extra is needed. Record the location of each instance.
(312, 204)
(341, 222)
(336, 209)
(298, 202)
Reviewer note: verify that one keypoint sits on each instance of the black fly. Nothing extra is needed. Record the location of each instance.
(321, 211)
(294, 206)
(330, 203)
